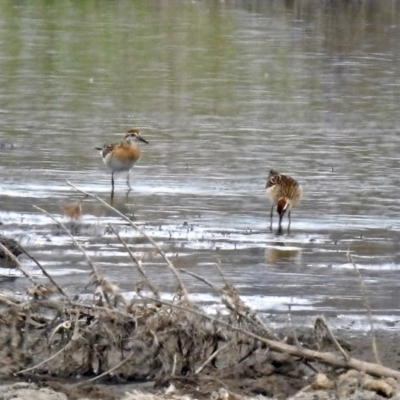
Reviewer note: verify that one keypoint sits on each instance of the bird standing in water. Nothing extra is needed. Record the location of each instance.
(73, 210)
(285, 192)
(122, 156)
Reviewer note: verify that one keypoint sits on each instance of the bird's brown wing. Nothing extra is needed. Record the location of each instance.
(108, 148)
(274, 180)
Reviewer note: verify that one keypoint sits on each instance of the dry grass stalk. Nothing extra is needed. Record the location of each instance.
(17, 263)
(321, 323)
(61, 225)
(232, 301)
(367, 307)
(142, 232)
(137, 263)
(49, 277)
(15, 250)
(209, 359)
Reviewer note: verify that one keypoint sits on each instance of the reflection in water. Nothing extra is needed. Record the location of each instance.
(282, 254)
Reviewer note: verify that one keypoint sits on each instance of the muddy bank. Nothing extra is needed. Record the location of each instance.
(111, 349)
(282, 377)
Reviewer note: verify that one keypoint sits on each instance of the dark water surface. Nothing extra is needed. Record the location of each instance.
(223, 92)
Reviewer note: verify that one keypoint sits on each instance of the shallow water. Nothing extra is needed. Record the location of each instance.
(223, 92)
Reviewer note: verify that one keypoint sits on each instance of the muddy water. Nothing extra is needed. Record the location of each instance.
(223, 92)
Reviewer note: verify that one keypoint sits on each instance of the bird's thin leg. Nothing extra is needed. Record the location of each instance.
(112, 188)
(271, 215)
(128, 178)
(279, 232)
(288, 228)
(112, 198)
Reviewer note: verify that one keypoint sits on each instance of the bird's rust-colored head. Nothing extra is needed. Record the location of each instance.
(281, 206)
(134, 135)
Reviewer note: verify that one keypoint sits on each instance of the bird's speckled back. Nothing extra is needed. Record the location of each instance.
(283, 186)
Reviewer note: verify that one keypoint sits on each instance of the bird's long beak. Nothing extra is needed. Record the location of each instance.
(142, 139)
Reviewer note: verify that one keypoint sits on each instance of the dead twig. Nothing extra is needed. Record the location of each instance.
(17, 263)
(233, 302)
(209, 359)
(60, 224)
(367, 307)
(137, 263)
(141, 231)
(217, 265)
(59, 288)
(97, 278)
(204, 280)
(321, 321)
(8, 301)
(249, 315)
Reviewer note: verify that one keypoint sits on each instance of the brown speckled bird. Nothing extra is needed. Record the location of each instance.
(285, 192)
(73, 209)
(122, 156)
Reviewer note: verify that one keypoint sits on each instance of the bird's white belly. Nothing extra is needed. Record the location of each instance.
(118, 165)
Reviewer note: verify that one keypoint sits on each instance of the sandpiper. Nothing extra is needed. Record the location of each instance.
(122, 156)
(73, 209)
(285, 192)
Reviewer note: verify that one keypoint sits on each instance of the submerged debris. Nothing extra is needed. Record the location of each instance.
(12, 245)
